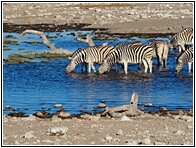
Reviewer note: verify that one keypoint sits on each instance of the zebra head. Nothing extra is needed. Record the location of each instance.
(104, 67)
(71, 66)
(179, 65)
(171, 43)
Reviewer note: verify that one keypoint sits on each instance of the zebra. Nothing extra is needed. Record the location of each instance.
(134, 54)
(185, 37)
(186, 56)
(160, 51)
(83, 64)
(89, 55)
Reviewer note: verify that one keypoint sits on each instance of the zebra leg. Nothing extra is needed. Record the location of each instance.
(125, 67)
(163, 63)
(145, 65)
(93, 67)
(89, 67)
(189, 66)
(116, 65)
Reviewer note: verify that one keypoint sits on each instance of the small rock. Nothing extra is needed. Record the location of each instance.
(85, 116)
(148, 105)
(189, 127)
(125, 118)
(29, 135)
(64, 115)
(101, 105)
(178, 132)
(146, 141)
(163, 109)
(8, 107)
(58, 105)
(57, 131)
(109, 138)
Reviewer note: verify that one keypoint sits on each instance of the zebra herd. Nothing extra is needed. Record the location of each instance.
(135, 52)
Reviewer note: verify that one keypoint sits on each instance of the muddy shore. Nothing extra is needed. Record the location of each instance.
(138, 19)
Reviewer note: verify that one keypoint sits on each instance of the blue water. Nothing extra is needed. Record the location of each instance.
(30, 86)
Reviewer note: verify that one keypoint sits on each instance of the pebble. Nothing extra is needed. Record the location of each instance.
(29, 135)
(57, 131)
(64, 114)
(101, 105)
(148, 105)
(146, 141)
(8, 107)
(58, 105)
(125, 118)
(109, 138)
(189, 127)
(178, 132)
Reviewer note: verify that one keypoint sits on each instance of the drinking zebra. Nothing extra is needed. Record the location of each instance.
(160, 51)
(133, 54)
(90, 55)
(185, 37)
(186, 56)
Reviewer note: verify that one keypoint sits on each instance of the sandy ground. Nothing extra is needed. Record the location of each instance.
(94, 130)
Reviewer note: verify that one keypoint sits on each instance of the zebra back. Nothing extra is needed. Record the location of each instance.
(186, 35)
(134, 53)
(91, 53)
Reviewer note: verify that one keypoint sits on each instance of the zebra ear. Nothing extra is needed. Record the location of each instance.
(70, 58)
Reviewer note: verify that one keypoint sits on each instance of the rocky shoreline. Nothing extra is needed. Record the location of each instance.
(146, 129)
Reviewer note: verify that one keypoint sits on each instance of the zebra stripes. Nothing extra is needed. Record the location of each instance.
(186, 56)
(160, 51)
(126, 53)
(185, 37)
(90, 55)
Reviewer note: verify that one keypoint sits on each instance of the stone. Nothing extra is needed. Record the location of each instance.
(58, 105)
(189, 127)
(146, 141)
(101, 105)
(148, 105)
(29, 135)
(64, 115)
(109, 138)
(178, 132)
(125, 118)
(59, 131)
(8, 107)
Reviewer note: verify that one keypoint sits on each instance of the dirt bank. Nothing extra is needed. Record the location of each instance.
(123, 18)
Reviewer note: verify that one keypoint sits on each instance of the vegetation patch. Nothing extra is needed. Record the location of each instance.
(6, 48)
(9, 36)
(26, 57)
(11, 42)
